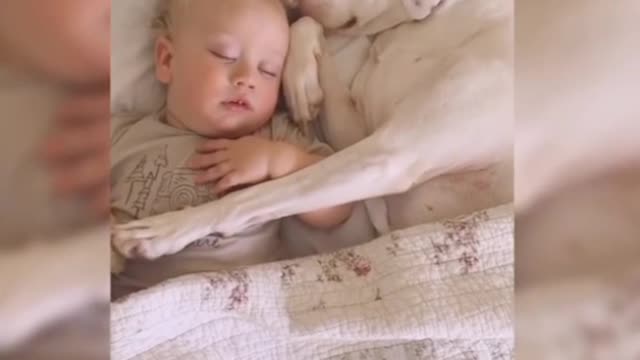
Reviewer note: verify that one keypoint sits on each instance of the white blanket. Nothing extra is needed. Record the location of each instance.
(436, 291)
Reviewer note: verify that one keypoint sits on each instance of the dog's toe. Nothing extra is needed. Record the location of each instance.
(125, 246)
(148, 250)
(127, 249)
(144, 250)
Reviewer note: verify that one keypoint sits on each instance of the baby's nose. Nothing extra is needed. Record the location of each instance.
(243, 77)
(244, 82)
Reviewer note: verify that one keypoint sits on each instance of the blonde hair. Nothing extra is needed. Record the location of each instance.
(163, 23)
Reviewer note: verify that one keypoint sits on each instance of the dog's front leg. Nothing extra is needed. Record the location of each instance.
(365, 170)
(368, 169)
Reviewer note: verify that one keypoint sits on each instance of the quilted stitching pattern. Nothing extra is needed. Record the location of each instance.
(436, 291)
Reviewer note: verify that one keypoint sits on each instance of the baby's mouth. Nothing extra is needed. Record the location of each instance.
(237, 104)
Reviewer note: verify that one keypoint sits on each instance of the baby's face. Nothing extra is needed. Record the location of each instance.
(66, 41)
(223, 65)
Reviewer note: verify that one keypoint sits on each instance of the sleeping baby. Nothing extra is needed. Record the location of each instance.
(221, 62)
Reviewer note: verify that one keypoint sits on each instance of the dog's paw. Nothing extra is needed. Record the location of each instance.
(301, 81)
(132, 247)
(420, 9)
(160, 235)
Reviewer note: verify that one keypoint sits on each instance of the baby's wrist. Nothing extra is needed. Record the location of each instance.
(283, 160)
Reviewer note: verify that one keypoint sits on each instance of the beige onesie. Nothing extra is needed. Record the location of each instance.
(149, 176)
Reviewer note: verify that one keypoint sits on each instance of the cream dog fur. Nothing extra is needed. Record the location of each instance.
(423, 119)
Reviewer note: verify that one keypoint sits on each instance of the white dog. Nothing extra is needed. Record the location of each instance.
(421, 111)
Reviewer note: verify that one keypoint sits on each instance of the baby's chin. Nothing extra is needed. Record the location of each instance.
(231, 127)
(217, 131)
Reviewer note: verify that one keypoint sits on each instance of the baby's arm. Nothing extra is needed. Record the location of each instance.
(117, 260)
(230, 164)
(287, 159)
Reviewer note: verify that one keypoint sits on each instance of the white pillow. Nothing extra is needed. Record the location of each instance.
(134, 87)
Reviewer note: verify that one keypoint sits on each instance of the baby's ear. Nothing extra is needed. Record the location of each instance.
(163, 58)
(290, 3)
(420, 9)
(293, 15)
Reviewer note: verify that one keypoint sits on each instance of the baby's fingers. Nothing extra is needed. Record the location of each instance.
(214, 173)
(229, 181)
(214, 145)
(207, 160)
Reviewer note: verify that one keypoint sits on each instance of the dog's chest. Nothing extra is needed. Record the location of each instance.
(412, 58)
(398, 62)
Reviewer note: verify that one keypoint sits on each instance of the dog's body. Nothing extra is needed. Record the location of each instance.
(393, 67)
(426, 122)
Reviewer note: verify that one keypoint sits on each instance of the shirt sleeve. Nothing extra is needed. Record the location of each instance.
(283, 129)
(120, 122)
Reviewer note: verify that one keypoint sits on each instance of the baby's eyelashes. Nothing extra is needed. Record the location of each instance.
(269, 73)
(223, 56)
(270, 68)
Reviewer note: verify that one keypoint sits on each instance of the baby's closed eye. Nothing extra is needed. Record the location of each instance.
(269, 71)
(226, 56)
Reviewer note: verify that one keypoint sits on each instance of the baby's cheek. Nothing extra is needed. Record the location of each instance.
(271, 97)
(264, 115)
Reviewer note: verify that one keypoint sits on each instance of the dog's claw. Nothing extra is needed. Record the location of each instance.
(132, 226)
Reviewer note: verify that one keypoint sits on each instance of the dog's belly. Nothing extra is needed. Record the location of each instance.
(378, 95)
(451, 195)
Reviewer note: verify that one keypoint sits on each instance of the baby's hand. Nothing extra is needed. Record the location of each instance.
(232, 163)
